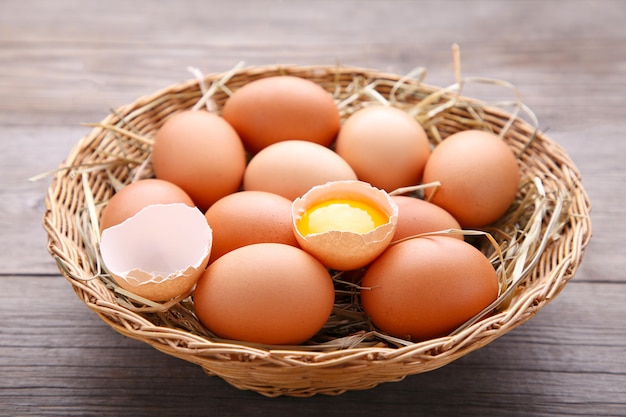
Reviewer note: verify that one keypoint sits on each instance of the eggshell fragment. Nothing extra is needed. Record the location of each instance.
(344, 249)
(160, 252)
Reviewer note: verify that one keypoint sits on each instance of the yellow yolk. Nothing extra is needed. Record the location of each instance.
(341, 215)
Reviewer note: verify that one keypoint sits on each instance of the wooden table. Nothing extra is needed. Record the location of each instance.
(66, 62)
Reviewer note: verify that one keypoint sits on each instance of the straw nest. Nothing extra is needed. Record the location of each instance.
(536, 247)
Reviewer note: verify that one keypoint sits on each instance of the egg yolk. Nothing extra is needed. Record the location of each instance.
(341, 215)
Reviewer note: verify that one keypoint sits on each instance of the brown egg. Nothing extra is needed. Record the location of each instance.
(426, 287)
(479, 177)
(416, 216)
(201, 153)
(265, 293)
(290, 168)
(278, 108)
(248, 217)
(385, 146)
(135, 196)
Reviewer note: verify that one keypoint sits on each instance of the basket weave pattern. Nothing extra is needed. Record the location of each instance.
(293, 372)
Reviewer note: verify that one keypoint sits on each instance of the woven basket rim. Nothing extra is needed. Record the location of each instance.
(243, 365)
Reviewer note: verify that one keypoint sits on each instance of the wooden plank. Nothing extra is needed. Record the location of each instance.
(62, 75)
(67, 62)
(27, 152)
(87, 90)
(568, 360)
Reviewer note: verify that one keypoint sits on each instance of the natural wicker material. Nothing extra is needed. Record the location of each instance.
(295, 372)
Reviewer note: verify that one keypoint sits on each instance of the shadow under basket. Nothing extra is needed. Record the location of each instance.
(552, 210)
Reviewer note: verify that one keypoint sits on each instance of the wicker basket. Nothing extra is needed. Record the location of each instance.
(88, 175)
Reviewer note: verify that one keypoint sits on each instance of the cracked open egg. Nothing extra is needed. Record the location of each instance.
(344, 224)
(160, 252)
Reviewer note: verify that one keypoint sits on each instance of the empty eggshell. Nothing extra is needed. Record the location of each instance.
(160, 252)
(346, 248)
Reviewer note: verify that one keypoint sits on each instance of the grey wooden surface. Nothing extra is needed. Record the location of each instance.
(66, 62)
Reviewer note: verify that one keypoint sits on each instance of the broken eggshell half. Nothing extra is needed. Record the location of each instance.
(160, 252)
(344, 249)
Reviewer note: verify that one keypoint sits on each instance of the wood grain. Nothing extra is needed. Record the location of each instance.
(67, 62)
(71, 362)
